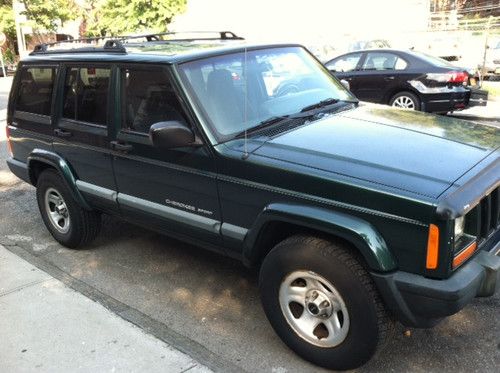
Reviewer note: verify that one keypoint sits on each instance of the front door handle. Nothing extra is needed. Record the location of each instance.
(389, 78)
(115, 145)
(62, 133)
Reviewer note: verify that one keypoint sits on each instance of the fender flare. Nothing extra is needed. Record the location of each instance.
(63, 168)
(361, 234)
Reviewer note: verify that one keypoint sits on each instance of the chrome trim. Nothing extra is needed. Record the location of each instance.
(97, 191)
(181, 216)
(233, 231)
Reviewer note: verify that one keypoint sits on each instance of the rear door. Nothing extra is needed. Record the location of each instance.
(173, 190)
(82, 138)
(380, 73)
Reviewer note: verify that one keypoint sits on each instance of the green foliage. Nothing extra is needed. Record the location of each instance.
(7, 23)
(47, 15)
(113, 17)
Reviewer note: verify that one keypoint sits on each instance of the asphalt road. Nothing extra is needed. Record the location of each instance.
(209, 305)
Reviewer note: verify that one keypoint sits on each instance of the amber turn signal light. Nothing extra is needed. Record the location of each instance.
(432, 247)
(464, 255)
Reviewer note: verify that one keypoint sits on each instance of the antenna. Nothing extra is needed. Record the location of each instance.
(245, 151)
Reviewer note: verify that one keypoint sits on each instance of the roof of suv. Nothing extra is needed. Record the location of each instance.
(164, 52)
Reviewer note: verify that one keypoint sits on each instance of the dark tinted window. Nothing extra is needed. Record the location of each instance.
(148, 97)
(35, 90)
(86, 94)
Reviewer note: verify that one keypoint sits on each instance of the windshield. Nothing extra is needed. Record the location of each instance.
(238, 92)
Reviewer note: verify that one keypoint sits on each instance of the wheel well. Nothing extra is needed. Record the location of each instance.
(276, 231)
(36, 168)
(397, 90)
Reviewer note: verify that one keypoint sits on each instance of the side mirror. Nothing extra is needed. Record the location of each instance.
(346, 84)
(171, 134)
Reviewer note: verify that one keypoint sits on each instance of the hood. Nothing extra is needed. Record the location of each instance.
(411, 151)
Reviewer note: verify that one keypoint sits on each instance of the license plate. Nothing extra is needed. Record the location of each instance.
(472, 81)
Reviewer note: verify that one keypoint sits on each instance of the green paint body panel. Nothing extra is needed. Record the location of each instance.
(359, 233)
(57, 162)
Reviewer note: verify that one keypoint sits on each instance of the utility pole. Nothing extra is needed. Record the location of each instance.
(487, 34)
(19, 19)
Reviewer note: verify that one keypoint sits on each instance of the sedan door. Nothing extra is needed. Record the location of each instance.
(379, 74)
(346, 68)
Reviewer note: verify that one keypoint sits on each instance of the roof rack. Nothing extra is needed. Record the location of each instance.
(115, 44)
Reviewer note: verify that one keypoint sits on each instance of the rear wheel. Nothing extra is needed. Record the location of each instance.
(322, 302)
(69, 224)
(405, 100)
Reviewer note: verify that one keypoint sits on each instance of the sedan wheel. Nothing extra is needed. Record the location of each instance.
(405, 100)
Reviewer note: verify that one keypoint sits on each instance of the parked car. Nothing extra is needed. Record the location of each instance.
(368, 44)
(407, 79)
(491, 68)
(355, 215)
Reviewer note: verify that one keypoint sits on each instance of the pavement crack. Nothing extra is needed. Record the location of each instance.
(19, 288)
(191, 367)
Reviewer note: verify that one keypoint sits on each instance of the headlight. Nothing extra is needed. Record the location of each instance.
(459, 227)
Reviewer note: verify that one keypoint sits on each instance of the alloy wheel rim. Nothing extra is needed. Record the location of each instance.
(57, 210)
(404, 102)
(314, 309)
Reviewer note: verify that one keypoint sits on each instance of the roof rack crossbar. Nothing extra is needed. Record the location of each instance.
(115, 43)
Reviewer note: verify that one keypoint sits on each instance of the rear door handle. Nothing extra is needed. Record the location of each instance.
(389, 78)
(115, 145)
(62, 133)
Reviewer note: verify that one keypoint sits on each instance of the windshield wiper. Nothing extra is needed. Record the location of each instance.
(318, 105)
(263, 124)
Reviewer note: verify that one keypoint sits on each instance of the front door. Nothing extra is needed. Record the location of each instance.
(83, 112)
(173, 190)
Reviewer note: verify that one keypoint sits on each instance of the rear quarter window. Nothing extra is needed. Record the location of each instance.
(35, 87)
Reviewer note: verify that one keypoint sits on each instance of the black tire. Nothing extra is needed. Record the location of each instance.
(408, 95)
(84, 225)
(369, 324)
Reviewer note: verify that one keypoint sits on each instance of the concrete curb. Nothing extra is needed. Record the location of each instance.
(146, 323)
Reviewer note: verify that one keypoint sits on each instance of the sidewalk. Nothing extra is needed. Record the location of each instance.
(48, 327)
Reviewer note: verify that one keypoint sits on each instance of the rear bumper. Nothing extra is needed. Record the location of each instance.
(421, 302)
(18, 168)
(445, 102)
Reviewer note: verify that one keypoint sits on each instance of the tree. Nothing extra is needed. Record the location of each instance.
(48, 15)
(114, 17)
(7, 23)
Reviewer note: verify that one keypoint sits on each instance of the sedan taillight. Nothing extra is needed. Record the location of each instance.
(460, 77)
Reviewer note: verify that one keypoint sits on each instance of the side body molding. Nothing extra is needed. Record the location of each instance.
(354, 230)
(56, 161)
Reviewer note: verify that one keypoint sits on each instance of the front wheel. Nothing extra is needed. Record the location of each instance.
(405, 100)
(322, 302)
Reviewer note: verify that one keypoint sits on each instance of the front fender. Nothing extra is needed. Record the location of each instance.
(358, 232)
(65, 171)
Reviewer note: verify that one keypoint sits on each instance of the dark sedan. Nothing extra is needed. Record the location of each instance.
(407, 79)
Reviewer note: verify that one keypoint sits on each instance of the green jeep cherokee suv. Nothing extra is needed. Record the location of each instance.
(356, 215)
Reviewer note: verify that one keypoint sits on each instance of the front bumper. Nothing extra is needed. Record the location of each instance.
(421, 302)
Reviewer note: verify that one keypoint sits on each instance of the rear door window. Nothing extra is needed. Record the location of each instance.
(383, 61)
(86, 94)
(35, 90)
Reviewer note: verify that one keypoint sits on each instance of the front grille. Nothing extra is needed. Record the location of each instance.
(489, 214)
